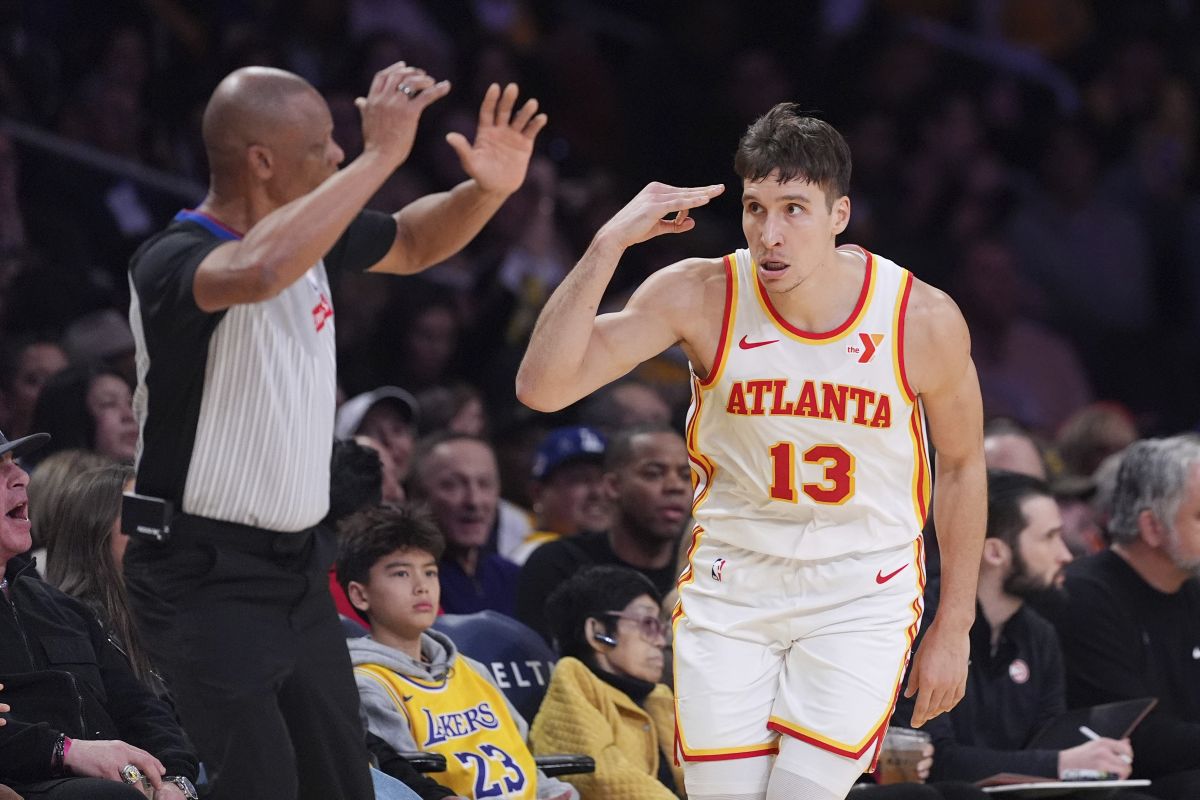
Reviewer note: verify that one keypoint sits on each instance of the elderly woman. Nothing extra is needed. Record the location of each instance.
(604, 697)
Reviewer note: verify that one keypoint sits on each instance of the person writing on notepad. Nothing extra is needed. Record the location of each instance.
(1015, 683)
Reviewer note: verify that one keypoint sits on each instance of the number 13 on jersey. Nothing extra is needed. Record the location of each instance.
(836, 485)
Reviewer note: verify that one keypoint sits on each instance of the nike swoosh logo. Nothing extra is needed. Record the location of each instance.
(881, 578)
(407, 697)
(748, 345)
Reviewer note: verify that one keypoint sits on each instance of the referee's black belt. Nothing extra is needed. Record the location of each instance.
(192, 529)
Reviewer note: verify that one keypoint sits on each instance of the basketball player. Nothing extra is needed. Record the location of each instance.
(815, 368)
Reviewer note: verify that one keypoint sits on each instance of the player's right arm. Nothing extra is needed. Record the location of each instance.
(572, 351)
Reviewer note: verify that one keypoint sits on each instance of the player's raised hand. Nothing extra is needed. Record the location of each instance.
(939, 673)
(499, 156)
(646, 215)
(392, 109)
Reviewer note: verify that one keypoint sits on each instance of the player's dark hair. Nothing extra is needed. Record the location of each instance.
(1006, 491)
(798, 146)
(591, 592)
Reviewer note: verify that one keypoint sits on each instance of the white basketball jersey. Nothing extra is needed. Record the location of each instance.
(803, 445)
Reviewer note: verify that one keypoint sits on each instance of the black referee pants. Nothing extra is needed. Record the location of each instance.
(241, 621)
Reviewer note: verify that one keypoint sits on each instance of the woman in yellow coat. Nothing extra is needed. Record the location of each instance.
(604, 697)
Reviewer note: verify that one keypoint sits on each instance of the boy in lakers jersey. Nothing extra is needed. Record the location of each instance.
(417, 691)
(820, 375)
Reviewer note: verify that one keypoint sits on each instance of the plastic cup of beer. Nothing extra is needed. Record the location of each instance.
(903, 749)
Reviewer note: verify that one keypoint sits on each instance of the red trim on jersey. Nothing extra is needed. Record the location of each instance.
(922, 463)
(908, 282)
(840, 329)
(722, 343)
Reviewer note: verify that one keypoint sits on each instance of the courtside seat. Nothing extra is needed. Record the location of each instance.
(518, 658)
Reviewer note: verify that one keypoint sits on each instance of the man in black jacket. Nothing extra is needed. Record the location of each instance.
(1130, 626)
(1015, 682)
(81, 721)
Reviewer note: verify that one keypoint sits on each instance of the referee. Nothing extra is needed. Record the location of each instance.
(234, 327)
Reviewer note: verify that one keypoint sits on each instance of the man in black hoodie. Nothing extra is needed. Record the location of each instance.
(81, 724)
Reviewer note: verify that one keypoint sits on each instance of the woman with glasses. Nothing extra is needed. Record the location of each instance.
(605, 698)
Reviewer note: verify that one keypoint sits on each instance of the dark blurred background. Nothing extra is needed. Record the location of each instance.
(1034, 158)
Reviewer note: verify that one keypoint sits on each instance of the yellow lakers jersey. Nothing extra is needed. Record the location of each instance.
(809, 445)
(465, 719)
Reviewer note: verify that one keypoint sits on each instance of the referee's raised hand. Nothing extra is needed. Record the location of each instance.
(392, 109)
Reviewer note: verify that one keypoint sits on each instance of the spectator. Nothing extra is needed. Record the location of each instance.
(567, 488)
(648, 481)
(456, 475)
(81, 715)
(622, 405)
(458, 409)
(1081, 526)
(389, 415)
(25, 366)
(86, 548)
(1015, 683)
(391, 489)
(605, 698)
(1008, 446)
(1092, 434)
(47, 483)
(355, 483)
(1130, 626)
(102, 337)
(88, 407)
(416, 689)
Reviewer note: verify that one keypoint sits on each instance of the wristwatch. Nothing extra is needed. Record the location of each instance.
(185, 786)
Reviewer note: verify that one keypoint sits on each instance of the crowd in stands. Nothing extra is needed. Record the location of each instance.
(1037, 159)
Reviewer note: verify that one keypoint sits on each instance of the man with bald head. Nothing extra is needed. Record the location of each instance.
(236, 393)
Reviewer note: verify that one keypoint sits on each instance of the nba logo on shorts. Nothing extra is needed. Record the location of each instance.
(717, 567)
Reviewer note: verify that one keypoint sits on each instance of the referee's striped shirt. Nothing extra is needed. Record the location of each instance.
(236, 407)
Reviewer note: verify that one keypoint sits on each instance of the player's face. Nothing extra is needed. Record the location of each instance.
(14, 508)
(790, 229)
(462, 485)
(572, 499)
(652, 490)
(639, 652)
(1183, 537)
(401, 594)
(1041, 552)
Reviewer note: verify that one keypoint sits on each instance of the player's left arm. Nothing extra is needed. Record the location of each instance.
(432, 228)
(940, 371)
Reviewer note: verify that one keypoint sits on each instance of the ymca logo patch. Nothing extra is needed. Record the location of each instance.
(865, 352)
(717, 568)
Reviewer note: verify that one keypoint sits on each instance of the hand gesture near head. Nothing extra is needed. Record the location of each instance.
(499, 156)
(645, 216)
(393, 107)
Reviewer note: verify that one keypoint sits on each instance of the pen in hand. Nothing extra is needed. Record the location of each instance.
(1091, 734)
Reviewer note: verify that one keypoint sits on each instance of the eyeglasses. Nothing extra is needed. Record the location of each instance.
(652, 629)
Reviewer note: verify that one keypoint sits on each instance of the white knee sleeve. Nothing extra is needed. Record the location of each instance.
(734, 779)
